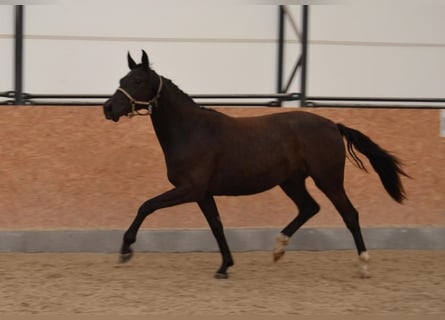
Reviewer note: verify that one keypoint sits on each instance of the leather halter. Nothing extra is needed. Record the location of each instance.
(149, 104)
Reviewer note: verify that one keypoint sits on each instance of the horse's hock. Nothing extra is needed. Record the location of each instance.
(68, 168)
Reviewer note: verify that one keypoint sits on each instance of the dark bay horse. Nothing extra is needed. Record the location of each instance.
(208, 153)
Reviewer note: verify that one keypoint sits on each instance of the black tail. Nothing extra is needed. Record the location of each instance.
(387, 166)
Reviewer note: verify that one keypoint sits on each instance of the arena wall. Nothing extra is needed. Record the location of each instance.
(69, 168)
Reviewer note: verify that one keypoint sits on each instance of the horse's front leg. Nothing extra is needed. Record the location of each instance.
(168, 199)
(208, 207)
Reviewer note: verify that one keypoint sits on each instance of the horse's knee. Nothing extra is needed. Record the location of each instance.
(313, 209)
(145, 209)
(309, 210)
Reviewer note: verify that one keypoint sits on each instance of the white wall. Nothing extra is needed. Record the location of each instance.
(378, 48)
(6, 48)
(206, 49)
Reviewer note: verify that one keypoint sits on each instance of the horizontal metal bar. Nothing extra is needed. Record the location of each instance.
(7, 94)
(272, 103)
(283, 96)
(30, 96)
(374, 99)
(314, 101)
(62, 103)
(311, 104)
(7, 102)
(56, 99)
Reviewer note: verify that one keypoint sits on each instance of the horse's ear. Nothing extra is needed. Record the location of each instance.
(131, 63)
(145, 62)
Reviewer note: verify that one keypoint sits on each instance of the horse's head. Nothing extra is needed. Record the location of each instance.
(137, 92)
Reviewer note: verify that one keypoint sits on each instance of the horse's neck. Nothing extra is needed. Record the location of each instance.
(174, 116)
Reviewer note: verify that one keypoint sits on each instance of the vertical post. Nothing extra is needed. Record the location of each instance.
(304, 42)
(18, 55)
(280, 61)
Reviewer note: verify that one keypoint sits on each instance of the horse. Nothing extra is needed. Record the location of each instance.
(208, 153)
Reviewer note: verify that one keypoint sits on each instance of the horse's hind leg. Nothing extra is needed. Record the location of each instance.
(336, 193)
(295, 189)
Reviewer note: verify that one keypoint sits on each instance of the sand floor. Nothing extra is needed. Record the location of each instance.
(302, 283)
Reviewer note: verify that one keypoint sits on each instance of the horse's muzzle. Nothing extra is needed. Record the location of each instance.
(108, 112)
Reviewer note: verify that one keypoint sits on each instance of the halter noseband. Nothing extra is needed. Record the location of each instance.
(149, 104)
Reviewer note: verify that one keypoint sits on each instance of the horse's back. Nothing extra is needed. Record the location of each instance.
(308, 130)
(299, 121)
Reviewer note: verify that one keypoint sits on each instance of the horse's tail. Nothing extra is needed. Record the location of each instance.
(387, 166)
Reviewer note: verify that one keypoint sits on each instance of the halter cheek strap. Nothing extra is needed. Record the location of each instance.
(149, 104)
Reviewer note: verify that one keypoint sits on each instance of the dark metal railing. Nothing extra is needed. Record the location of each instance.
(268, 100)
(375, 103)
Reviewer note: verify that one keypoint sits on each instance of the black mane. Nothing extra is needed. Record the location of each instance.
(171, 83)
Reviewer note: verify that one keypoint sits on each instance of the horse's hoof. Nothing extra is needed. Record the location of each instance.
(281, 241)
(125, 257)
(219, 275)
(278, 255)
(364, 262)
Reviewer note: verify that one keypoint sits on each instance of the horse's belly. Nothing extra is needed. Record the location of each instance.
(244, 188)
(251, 179)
